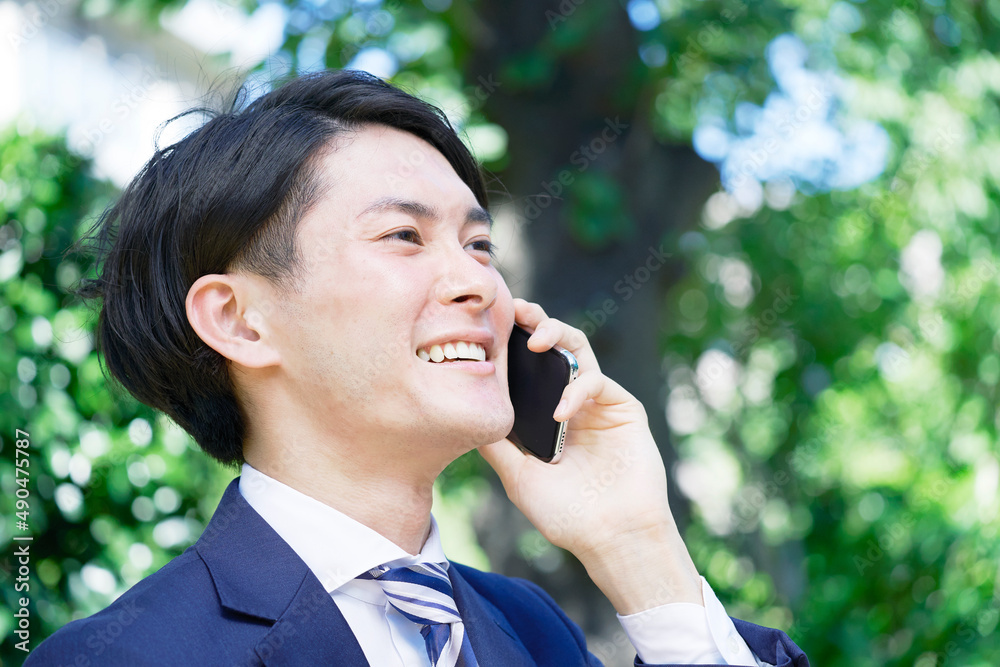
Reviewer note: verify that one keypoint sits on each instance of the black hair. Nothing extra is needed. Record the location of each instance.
(229, 196)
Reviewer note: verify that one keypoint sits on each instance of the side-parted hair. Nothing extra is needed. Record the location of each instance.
(229, 197)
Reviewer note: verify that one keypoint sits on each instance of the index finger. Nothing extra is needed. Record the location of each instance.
(548, 331)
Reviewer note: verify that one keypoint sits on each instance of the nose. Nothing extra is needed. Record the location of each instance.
(465, 279)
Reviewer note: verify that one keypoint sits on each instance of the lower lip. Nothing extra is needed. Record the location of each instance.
(474, 367)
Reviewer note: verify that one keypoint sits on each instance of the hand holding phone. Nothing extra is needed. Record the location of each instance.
(625, 535)
(536, 381)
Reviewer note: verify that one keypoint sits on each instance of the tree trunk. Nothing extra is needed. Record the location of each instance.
(583, 112)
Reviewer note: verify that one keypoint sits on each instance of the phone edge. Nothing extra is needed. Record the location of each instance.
(574, 371)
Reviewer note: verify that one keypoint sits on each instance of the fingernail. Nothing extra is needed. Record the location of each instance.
(559, 409)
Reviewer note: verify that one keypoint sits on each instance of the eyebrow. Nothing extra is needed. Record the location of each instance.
(476, 214)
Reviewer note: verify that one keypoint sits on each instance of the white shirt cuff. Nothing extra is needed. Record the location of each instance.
(688, 634)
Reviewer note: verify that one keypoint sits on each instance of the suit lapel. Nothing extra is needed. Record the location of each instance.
(257, 574)
(493, 640)
(312, 631)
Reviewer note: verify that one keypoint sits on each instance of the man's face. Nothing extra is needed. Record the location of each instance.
(395, 272)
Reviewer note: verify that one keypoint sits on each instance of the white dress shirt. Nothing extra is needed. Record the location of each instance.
(337, 549)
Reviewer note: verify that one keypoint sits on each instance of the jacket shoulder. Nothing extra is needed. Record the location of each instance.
(533, 614)
(168, 618)
(511, 591)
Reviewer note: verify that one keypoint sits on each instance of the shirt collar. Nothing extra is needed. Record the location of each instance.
(333, 545)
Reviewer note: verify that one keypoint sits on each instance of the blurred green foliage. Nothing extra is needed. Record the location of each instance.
(832, 356)
(837, 354)
(115, 491)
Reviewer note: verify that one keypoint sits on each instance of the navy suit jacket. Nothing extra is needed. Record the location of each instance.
(241, 596)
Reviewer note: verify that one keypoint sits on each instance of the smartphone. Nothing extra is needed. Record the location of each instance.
(536, 381)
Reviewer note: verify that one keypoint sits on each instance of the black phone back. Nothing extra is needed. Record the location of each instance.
(536, 381)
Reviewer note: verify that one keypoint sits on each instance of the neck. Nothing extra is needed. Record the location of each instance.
(379, 473)
(392, 495)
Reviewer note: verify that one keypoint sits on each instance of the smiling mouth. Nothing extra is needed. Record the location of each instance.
(453, 351)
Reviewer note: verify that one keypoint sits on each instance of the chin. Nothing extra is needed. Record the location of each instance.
(472, 429)
(495, 430)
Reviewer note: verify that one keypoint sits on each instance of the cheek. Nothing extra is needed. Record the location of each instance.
(384, 315)
(504, 307)
(503, 322)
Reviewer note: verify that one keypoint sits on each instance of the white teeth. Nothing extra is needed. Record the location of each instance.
(454, 350)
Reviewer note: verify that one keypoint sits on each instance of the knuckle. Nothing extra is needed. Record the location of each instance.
(576, 338)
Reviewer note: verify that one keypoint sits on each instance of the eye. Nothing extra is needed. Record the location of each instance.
(405, 235)
(484, 245)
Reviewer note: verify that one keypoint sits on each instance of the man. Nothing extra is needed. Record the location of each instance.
(307, 287)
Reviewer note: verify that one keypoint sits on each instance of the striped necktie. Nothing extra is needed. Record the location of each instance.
(422, 593)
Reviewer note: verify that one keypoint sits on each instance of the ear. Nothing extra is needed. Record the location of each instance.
(228, 312)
